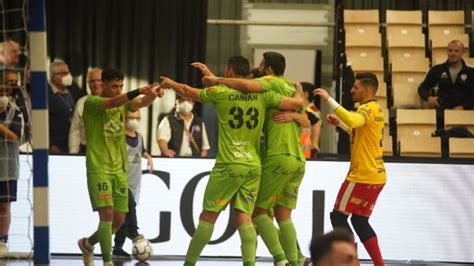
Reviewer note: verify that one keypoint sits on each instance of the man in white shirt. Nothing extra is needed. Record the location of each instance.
(182, 133)
(77, 135)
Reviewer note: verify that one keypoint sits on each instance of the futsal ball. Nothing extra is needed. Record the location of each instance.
(142, 250)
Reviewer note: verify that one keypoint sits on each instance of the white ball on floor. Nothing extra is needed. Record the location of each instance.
(142, 250)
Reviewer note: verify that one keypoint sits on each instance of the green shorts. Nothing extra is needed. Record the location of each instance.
(281, 178)
(108, 190)
(234, 183)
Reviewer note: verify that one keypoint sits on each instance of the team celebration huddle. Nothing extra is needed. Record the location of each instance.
(259, 182)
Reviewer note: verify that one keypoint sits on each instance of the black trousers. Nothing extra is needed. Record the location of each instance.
(130, 227)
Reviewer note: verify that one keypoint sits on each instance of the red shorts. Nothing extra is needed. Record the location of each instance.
(357, 198)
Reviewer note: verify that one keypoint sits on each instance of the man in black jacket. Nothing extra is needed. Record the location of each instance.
(449, 85)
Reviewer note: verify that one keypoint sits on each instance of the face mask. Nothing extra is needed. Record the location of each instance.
(67, 80)
(184, 107)
(4, 101)
(133, 124)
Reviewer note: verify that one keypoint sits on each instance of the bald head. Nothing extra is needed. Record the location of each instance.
(10, 53)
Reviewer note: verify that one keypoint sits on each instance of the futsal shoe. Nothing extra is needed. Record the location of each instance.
(119, 253)
(87, 252)
(305, 261)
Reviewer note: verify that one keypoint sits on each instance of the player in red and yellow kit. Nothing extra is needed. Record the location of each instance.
(366, 177)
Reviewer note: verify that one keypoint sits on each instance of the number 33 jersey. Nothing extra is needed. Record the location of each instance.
(240, 122)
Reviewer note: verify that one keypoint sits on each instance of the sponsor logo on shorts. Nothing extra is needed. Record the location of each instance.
(123, 190)
(358, 201)
(221, 202)
(105, 197)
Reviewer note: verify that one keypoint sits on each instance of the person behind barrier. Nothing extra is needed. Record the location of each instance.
(183, 133)
(449, 85)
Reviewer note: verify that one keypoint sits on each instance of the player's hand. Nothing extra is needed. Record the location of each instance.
(169, 153)
(149, 163)
(160, 92)
(433, 101)
(333, 119)
(459, 107)
(149, 90)
(284, 116)
(203, 68)
(209, 80)
(167, 83)
(322, 93)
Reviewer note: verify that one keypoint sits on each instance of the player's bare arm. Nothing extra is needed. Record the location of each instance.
(287, 116)
(203, 68)
(180, 88)
(149, 91)
(350, 119)
(291, 104)
(243, 85)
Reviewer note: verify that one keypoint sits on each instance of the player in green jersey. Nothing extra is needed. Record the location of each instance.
(104, 119)
(284, 165)
(236, 175)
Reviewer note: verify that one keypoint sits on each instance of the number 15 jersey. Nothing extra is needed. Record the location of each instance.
(240, 121)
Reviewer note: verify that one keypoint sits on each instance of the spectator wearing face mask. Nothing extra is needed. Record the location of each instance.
(183, 133)
(61, 107)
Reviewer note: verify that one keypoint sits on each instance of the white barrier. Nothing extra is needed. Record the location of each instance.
(425, 212)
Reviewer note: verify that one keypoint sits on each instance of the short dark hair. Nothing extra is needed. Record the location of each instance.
(368, 79)
(321, 246)
(309, 87)
(239, 64)
(255, 73)
(111, 74)
(276, 61)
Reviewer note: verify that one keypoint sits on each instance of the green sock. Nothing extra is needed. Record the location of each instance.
(248, 240)
(201, 237)
(288, 240)
(269, 235)
(103, 235)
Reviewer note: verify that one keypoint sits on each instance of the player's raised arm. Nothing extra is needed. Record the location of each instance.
(203, 68)
(149, 91)
(244, 85)
(180, 88)
(351, 120)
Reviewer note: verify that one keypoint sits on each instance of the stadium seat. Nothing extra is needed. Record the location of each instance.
(439, 44)
(361, 21)
(461, 147)
(387, 146)
(454, 118)
(405, 95)
(415, 122)
(381, 95)
(403, 23)
(406, 46)
(367, 46)
(367, 64)
(440, 60)
(445, 22)
(420, 146)
(409, 70)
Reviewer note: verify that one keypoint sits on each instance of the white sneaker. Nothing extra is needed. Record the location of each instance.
(87, 252)
(3, 250)
(108, 263)
(282, 263)
(305, 261)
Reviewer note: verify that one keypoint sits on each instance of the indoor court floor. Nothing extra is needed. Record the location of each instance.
(178, 261)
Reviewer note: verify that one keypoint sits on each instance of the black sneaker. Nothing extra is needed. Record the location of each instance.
(119, 253)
